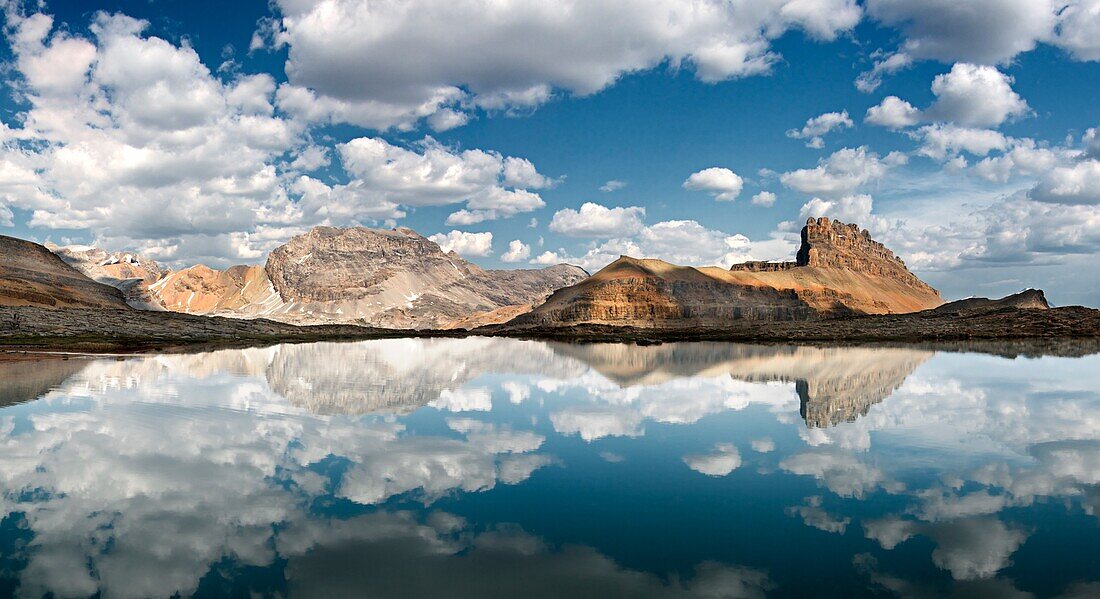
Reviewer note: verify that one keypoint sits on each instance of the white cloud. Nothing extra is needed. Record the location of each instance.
(465, 244)
(975, 96)
(980, 31)
(1078, 31)
(679, 242)
(596, 221)
(763, 445)
(519, 172)
(383, 64)
(722, 183)
(135, 139)
(869, 81)
(721, 461)
(612, 185)
(893, 113)
(969, 96)
(388, 175)
(940, 142)
(548, 258)
(817, 127)
(764, 198)
(849, 209)
(517, 252)
(838, 175)
(1075, 184)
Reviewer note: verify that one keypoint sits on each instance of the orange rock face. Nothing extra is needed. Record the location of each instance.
(840, 270)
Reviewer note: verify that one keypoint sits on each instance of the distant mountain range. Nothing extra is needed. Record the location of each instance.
(386, 278)
(399, 279)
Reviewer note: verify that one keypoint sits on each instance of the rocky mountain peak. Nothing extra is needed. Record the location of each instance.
(833, 244)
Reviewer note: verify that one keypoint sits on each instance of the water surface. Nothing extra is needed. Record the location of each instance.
(496, 467)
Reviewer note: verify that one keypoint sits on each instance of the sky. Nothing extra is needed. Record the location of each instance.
(963, 135)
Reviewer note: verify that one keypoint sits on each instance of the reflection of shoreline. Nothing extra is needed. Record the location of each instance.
(836, 384)
(27, 380)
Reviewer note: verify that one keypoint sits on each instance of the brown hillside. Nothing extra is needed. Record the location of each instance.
(31, 275)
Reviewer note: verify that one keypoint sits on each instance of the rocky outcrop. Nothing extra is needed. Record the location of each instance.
(31, 275)
(1028, 299)
(840, 271)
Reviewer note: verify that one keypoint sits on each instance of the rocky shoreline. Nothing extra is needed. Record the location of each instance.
(105, 330)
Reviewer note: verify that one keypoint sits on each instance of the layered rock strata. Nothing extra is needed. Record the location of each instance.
(31, 275)
(839, 271)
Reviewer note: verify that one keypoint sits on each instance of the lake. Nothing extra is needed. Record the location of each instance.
(495, 467)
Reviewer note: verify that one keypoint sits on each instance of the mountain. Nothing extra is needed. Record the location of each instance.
(389, 278)
(128, 272)
(31, 275)
(839, 271)
(397, 279)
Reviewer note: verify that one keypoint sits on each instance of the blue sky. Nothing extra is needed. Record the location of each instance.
(211, 132)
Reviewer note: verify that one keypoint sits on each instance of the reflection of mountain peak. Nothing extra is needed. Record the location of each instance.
(834, 384)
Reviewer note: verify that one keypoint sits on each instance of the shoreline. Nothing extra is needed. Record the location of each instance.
(77, 332)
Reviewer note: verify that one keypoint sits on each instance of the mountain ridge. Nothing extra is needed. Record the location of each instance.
(839, 271)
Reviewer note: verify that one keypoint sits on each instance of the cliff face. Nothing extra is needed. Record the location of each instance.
(31, 275)
(840, 270)
(832, 244)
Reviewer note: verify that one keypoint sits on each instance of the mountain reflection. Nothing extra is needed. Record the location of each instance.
(497, 467)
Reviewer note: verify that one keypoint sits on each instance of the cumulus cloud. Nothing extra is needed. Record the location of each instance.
(133, 138)
(764, 198)
(850, 209)
(980, 31)
(975, 96)
(722, 183)
(987, 32)
(893, 113)
(840, 174)
(549, 258)
(941, 142)
(817, 127)
(968, 96)
(679, 242)
(465, 244)
(1078, 183)
(1078, 30)
(517, 252)
(385, 65)
(596, 221)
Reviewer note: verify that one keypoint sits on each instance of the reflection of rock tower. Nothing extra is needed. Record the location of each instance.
(837, 384)
(828, 401)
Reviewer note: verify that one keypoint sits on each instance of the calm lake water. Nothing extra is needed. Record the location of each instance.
(494, 467)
